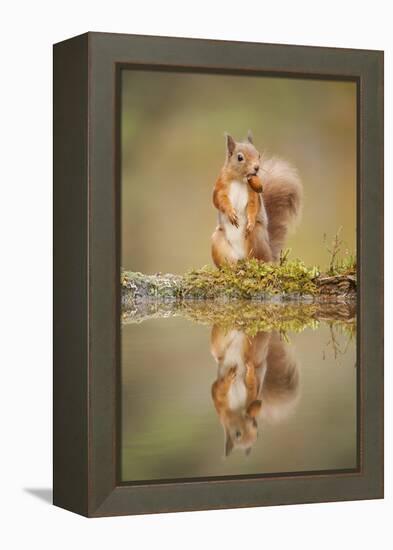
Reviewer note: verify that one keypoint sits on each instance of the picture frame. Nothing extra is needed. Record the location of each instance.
(87, 273)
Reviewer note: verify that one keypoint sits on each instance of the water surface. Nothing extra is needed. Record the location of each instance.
(179, 420)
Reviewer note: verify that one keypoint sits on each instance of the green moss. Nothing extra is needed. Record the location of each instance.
(251, 278)
(247, 280)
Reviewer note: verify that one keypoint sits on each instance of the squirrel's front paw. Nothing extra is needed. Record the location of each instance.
(233, 218)
(231, 374)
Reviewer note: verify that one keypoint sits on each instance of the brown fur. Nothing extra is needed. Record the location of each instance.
(269, 214)
(255, 183)
(283, 197)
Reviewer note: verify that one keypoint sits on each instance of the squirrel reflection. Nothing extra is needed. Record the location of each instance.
(258, 379)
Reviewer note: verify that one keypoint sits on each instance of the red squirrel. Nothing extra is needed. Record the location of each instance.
(257, 201)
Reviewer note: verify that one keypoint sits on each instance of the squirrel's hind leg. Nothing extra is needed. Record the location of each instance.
(259, 244)
(222, 251)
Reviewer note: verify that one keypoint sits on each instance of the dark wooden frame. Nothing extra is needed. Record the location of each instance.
(86, 272)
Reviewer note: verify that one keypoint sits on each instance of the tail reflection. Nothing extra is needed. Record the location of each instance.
(257, 380)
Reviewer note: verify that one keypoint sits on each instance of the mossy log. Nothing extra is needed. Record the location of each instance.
(216, 285)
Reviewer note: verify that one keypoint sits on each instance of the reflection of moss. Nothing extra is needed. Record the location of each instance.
(248, 316)
(253, 318)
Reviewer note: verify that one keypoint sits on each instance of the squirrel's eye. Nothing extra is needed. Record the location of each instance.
(238, 434)
(240, 157)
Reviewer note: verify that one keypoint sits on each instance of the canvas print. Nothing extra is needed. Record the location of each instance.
(238, 352)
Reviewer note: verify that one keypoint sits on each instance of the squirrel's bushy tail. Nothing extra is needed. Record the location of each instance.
(283, 198)
(281, 386)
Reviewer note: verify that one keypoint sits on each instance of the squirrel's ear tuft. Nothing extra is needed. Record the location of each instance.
(250, 137)
(231, 144)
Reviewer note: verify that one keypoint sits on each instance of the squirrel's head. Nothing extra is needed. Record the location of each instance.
(243, 159)
(241, 429)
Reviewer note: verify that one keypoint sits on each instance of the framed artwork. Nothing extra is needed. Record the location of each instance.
(218, 274)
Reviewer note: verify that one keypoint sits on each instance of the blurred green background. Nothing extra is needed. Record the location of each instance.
(173, 147)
